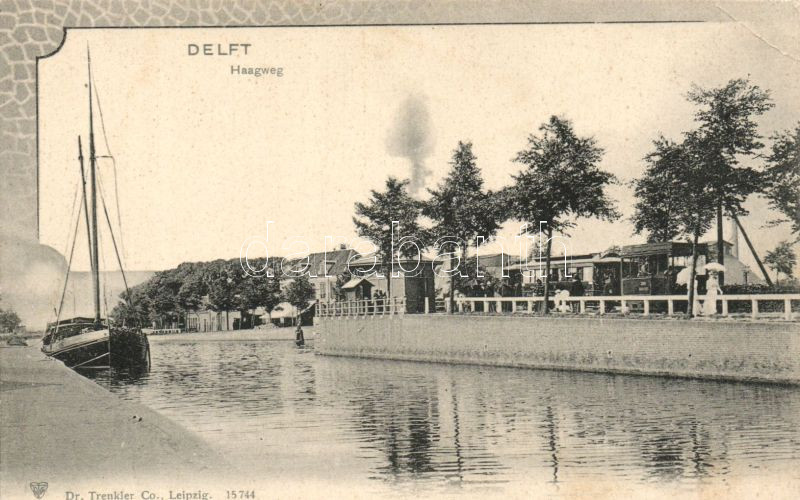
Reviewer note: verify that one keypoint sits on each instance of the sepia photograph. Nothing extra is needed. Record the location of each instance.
(355, 249)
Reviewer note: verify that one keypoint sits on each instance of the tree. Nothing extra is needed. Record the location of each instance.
(697, 193)
(260, 291)
(161, 291)
(374, 219)
(727, 131)
(134, 309)
(9, 321)
(783, 177)
(191, 291)
(782, 259)
(561, 182)
(341, 280)
(461, 210)
(223, 280)
(299, 292)
(657, 197)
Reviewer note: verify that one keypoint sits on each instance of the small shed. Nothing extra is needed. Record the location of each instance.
(358, 289)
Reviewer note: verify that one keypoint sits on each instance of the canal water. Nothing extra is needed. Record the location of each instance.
(279, 411)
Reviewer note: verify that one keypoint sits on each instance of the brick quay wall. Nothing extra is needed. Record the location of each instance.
(741, 350)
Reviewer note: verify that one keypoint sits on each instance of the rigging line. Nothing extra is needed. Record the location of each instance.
(113, 240)
(113, 161)
(105, 281)
(72, 213)
(105, 267)
(69, 268)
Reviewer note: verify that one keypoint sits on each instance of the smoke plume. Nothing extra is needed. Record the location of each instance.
(410, 137)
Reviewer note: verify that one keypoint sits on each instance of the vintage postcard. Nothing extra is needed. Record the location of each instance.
(355, 249)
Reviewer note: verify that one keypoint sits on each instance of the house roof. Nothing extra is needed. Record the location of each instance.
(494, 259)
(370, 259)
(675, 248)
(331, 263)
(555, 261)
(579, 260)
(354, 283)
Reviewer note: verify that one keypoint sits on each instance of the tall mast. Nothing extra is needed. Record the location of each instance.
(85, 204)
(93, 188)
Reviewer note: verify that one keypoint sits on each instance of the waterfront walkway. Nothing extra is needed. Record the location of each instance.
(60, 427)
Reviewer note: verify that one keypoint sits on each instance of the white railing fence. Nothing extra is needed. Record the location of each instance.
(727, 305)
(642, 304)
(355, 308)
(161, 331)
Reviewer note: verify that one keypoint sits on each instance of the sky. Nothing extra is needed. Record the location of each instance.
(205, 158)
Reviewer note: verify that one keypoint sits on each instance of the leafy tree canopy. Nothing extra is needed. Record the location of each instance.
(782, 259)
(693, 188)
(728, 130)
(300, 292)
(9, 320)
(562, 180)
(657, 192)
(783, 177)
(459, 207)
(373, 221)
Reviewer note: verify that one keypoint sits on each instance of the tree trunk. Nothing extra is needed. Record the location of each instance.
(720, 243)
(389, 281)
(692, 275)
(452, 298)
(545, 306)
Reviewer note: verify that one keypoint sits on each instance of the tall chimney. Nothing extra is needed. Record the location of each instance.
(734, 238)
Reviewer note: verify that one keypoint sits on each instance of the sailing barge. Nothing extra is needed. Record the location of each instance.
(83, 342)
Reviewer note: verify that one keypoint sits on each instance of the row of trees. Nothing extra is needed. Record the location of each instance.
(710, 172)
(685, 186)
(560, 182)
(220, 285)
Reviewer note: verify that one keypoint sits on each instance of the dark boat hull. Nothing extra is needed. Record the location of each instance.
(89, 355)
(121, 348)
(130, 348)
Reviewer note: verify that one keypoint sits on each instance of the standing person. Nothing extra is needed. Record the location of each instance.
(712, 290)
(608, 283)
(576, 289)
(299, 339)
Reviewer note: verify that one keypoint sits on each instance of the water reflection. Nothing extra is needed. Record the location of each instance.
(276, 409)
